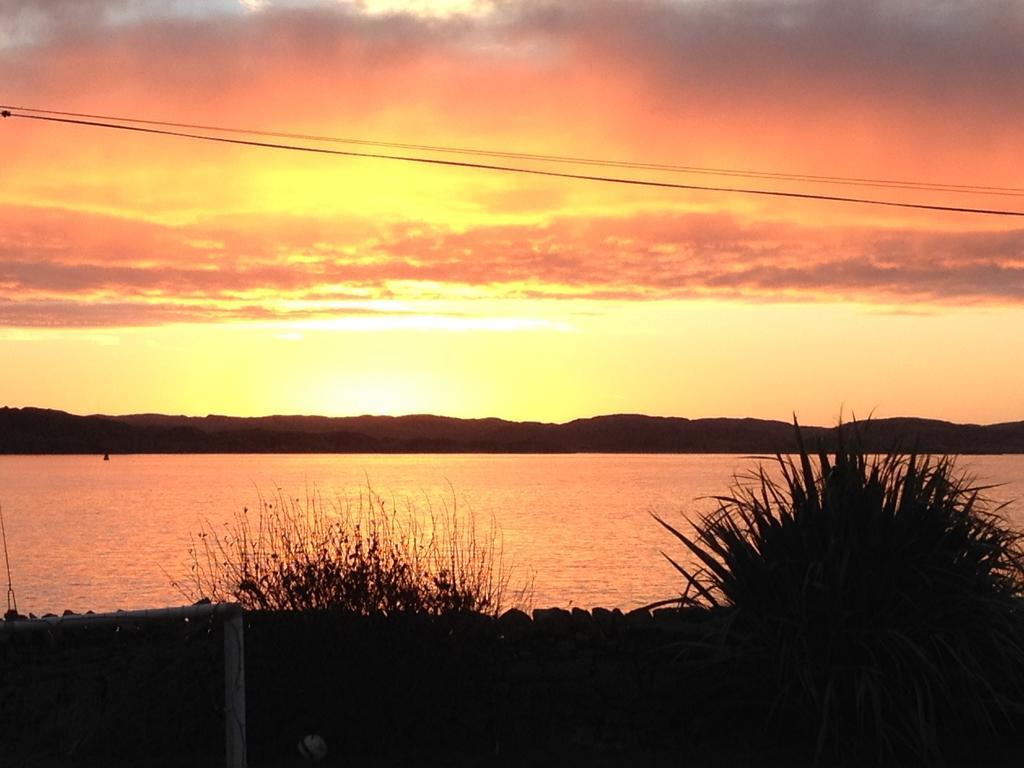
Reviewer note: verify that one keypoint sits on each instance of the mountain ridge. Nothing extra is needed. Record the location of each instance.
(48, 431)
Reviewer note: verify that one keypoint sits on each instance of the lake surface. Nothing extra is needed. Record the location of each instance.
(84, 534)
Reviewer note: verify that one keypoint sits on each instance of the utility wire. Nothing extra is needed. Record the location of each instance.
(667, 167)
(516, 169)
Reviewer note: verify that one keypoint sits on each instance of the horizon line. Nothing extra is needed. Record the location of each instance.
(634, 414)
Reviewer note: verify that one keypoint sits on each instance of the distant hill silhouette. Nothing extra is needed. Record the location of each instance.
(41, 431)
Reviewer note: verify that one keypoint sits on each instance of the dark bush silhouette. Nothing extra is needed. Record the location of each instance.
(869, 605)
(366, 558)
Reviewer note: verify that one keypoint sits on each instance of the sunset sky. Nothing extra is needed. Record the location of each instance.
(151, 273)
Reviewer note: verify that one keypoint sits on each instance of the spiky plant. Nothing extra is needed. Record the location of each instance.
(871, 603)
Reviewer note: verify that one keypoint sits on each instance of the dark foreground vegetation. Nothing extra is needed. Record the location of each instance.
(866, 606)
(368, 557)
(837, 609)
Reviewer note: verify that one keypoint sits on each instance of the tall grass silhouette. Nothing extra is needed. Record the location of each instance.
(367, 557)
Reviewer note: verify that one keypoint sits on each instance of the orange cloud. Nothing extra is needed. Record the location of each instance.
(868, 89)
(251, 268)
(104, 229)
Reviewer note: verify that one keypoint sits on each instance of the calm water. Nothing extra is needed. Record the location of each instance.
(88, 534)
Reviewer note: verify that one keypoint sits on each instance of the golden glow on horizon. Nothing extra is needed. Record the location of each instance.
(628, 358)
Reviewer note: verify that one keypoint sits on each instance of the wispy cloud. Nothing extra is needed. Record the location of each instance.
(248, 269)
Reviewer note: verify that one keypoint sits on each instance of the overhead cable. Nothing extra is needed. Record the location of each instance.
(566, 159)
(650, 183)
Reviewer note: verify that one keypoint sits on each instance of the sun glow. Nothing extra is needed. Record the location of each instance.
(204, 277)
(427, 323)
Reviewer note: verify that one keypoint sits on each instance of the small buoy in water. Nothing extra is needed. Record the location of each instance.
(106, 457)
(313, 748)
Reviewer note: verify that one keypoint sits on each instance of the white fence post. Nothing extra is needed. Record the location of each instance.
(234, 686)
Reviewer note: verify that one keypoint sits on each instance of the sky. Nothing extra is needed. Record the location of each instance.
(145, 273)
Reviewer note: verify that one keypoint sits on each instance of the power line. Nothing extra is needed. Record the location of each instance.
(635, 165)
(515, 169)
